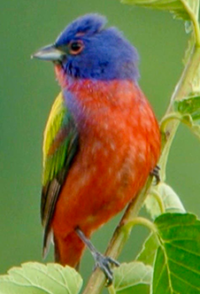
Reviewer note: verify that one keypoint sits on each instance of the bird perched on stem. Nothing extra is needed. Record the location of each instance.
(101, 140)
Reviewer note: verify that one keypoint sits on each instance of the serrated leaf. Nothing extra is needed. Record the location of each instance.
(130, 275)
(184, 9)
(149, 249)
(189, 109)
(169, 198)
(177, 265)
(36, 278)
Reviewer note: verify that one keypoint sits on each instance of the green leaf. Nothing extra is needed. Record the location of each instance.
(149, 249)
(190, 105)
(129, 276)
(36, 278)
(171, 203)
(185, 9)
(169, 198)
(189, 109)
(177, 264)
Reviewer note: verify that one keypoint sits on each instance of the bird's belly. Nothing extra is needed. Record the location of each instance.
(101, 181)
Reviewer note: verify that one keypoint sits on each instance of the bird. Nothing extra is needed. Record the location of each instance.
(101, 140)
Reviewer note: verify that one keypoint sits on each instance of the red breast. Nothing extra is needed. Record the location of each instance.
(119, 146)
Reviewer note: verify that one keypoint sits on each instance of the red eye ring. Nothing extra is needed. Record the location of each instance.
(75, 47)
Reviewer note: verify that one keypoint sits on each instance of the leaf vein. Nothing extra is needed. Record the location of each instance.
(184, 266)
(184, 249)
(184, 281)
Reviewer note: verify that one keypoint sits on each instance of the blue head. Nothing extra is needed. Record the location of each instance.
(88, 50)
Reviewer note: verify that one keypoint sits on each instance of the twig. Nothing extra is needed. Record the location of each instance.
(183, 89)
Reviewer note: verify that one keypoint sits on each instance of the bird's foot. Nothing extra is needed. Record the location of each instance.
(105, 263)
(101, 261)
(156, 173)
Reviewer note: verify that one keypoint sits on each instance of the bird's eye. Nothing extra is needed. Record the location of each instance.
(75, 47)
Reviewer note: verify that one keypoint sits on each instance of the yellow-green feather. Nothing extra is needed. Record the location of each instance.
(53, 125)
(59, 148)
(59, 118)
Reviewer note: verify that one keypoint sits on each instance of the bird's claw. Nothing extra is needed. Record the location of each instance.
(105, 263)
(101, 261)
(156, 173)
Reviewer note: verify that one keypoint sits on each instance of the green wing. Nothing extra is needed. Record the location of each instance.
(59, 148)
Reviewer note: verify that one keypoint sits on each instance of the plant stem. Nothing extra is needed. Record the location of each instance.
(194, 19)
(120, 236)
(167, 118)
(140, 221)
(183, 89)
(111, 290)
(159, 200)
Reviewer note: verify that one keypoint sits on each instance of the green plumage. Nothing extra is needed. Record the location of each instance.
(59, 147)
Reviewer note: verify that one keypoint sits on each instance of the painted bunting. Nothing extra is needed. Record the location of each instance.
(101, 140)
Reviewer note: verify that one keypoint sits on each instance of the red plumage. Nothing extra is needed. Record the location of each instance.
(102, 139)
(119, 146)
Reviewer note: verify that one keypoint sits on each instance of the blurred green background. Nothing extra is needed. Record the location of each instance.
(28, 88)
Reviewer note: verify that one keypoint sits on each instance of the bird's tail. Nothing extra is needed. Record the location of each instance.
(68, 250)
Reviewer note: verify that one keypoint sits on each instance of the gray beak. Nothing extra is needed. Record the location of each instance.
(49, 53)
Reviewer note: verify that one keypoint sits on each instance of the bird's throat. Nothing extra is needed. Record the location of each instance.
(61, 76)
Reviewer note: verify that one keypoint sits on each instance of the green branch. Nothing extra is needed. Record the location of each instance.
(97, 279)
(121, 234)
(140, 221)
(158, 200)
(194, 19)
(182, 90)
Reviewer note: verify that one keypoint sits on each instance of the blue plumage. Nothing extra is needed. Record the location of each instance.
(89, 24)
(106, 54)
(101, 140)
